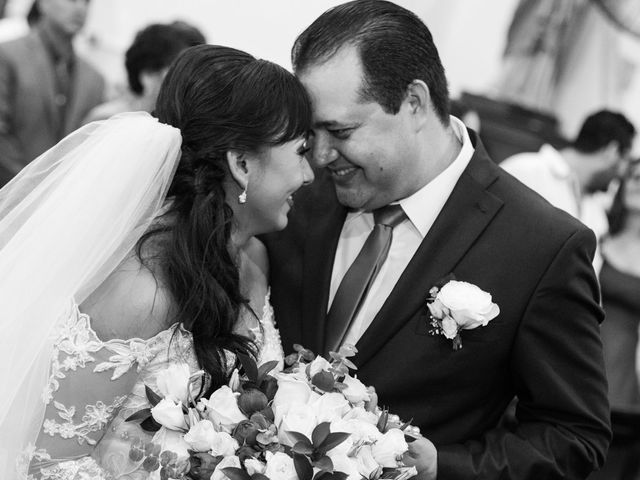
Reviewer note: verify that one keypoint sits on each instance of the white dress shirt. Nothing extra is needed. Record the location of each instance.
(422, 209)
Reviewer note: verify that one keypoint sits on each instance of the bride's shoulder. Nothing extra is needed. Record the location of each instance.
(130, 303)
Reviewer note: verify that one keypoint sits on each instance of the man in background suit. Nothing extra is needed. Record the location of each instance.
(382, 135)
(45, 88)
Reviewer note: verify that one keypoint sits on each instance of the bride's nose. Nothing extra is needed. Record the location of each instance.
(307, 173)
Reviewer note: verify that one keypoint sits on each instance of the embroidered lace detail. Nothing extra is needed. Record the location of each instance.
(79, 342)
(95, 418)
(268, 336)
(84, 469)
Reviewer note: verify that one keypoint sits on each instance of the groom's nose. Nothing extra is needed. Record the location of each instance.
(322, 150)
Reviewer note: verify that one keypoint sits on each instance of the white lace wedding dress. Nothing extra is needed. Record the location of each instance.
(95, 385)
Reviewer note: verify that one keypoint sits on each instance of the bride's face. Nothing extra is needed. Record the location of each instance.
(276, 174)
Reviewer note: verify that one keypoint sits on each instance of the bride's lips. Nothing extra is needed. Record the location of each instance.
(290, 201)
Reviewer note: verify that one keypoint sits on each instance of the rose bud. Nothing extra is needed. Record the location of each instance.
(246, 452)
(270, 387)
(260, 421)
(251, 401)
(245, 433)
(203, 465)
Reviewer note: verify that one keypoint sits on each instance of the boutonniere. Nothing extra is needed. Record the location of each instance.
(455, 306)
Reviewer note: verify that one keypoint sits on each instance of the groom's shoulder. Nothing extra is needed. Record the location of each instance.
(530, 212)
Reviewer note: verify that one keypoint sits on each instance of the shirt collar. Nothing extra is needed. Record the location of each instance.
(425, 205)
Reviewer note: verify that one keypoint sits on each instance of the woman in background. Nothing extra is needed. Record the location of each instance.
(620, 283)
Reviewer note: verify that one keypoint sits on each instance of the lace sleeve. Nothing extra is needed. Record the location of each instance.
(88, 383)
(129, 451)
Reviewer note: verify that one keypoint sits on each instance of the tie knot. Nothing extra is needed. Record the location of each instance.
(391, 215)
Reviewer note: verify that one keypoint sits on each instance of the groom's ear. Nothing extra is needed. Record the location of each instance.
(418, 100)
(237, 163)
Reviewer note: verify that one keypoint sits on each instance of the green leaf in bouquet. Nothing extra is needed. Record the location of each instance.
(291, 359)
(268, 414)
(139, 415)
(250, 367)
(302, 448)
(324, 463)
(299, 437)
(259, 476)
(269, 386)
(202, 465)
(320, 433)
(265, 368)
(382, 421)
(303, 467)
(150, 425)
(152, 396)
(235, 473)
(331, 476)
(324, 381)
(331, 441)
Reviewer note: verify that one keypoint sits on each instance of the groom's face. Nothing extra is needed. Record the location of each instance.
(368, 151)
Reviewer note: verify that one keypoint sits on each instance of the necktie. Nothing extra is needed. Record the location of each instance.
(361, 274)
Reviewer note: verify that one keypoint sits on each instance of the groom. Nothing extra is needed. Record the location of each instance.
(348, 271)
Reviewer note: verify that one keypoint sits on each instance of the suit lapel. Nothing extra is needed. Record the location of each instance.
(319, 252)
(467, 212)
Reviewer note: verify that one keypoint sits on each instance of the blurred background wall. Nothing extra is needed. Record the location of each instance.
(601, 64)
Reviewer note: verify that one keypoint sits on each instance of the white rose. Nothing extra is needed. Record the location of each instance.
(280, 466)
(356, 391)
(290, 391)
(366, 463)
(299, 418)
(469, 305)
(173, 382)
(218, 474)
(173, 441)
(200, 436)
(330, 406)
(343, 463)
(391, 445)
(169, 414)
(253, 465)
(361, 431)
(449, 327)
(222, 408)
(437, 309)
(223, 444)
(318, 365)
(361, 414)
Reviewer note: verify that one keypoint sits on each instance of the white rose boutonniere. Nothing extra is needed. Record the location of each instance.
(459, 306)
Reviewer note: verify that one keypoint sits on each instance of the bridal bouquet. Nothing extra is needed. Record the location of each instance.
(313, 421)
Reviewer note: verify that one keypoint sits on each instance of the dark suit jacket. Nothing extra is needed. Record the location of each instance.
(29, 118)
(544, 347)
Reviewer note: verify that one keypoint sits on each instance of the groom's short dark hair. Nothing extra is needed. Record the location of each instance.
(395, 48)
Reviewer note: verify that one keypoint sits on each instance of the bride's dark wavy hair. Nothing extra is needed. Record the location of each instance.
(220, 99)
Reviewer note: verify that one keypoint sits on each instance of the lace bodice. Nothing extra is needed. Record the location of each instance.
(95, 384)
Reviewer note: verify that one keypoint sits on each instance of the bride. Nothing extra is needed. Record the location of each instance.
(130, 246)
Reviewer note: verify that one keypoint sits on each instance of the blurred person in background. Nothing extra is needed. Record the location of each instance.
(620, 282)
(45, 88)
(147, 61)
(568, 178)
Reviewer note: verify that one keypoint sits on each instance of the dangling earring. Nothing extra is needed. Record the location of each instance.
(242, 198)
